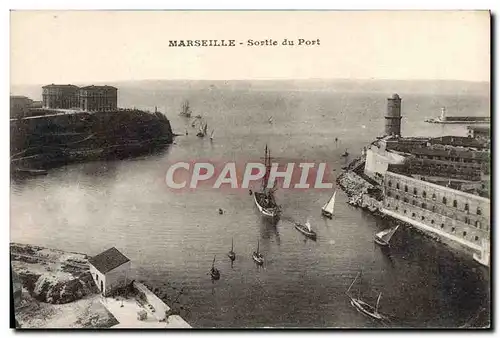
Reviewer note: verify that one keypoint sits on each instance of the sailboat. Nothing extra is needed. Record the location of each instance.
(212, 135)
(364, 307)
(231, 254)
(214, 272)
(203, 130)
(306, 230)
(185, 110)
(327, 209)
(270, 119)
(383, 237)
(257, 256)
(264, 199)
(345, 154)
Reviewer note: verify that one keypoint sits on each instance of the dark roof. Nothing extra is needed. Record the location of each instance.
(60, 86)
(108, 260)
(479, 128)
(457, 141)
(98, 87)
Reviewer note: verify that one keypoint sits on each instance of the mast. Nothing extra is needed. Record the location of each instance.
(267, 159)
(354, 281)
(257, 247)
(213, 263)
(378, 301)
(232, 244)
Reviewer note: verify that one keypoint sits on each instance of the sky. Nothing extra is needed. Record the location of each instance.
(100, 46)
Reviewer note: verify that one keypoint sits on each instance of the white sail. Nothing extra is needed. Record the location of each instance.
(387, 234)
(308, 225)
(212, 135)
(330, 205)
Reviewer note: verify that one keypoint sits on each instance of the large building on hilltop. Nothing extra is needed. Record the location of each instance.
(98, 98)
(60, 96)
(89, 98)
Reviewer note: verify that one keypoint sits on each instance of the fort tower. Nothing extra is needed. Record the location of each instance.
(393, 116)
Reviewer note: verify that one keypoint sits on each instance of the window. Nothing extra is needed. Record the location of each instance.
(389, 194)
(444, 200)
(413, 214)
(466, 207)
(405, 200)
(397, 197)
(406, 188)
(455, 203)
(424, 194)
(423, 218)
(404, 211)
(464, 233)
(442, 225)
(388, 205)
(478, 211)
(390, 183)
(414, 191)
(433, 208)
(476, 238)
(397, 208)
(467, 220)
(432, 221)
(397, 185)
(414, 202)
(97, 277)
(434, 196)
(424, 206)
(453, 229)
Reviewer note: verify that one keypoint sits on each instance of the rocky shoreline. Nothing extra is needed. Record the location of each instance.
(56, 290)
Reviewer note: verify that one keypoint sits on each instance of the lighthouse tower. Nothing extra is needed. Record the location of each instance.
(393, 116)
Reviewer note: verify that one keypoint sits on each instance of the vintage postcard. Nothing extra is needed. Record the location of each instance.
(250, 169)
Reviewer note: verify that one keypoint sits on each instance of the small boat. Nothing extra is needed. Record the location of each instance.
(257, 256)
(23, 172)
(198, 116)
(327, 209)
(221, 212)
(231, 254)
(202, 131)
(362, 306)
(306, 230)
(270, 120)
(214, 272)
(187, 132)
(383, 237)
(185, 110)
(345, 154)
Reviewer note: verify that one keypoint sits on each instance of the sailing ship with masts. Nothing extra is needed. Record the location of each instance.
(383, 237)
(264, 199)
(185, 110)
(328, 207)
(202, 131)
(306, 229)
(362, 306)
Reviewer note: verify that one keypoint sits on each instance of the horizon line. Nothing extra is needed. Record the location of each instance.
(262, 79)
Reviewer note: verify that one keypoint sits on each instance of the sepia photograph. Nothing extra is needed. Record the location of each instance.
(191, 169)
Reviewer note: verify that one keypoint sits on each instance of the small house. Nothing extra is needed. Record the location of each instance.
(110, 270)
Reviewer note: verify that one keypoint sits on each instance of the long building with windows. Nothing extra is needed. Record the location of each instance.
(453, 214)
(88, 98)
